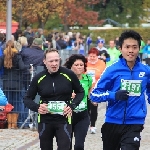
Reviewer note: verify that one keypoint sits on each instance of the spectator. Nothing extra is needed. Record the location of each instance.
(30, 41)
(17, 34)
(28, 32)
(2, 47)
(12, 81)
(33, 55)
(23, 41)
(40, 34)
(89, 41)
(98, 39)
(79, 45)
(113, 52)
(103, 54)
(146, 51)
(141, 50)
(52, 37)
(60, 43)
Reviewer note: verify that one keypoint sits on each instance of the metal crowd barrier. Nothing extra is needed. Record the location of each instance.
(14, 87)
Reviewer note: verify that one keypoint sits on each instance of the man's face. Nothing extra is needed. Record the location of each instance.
(130, 49)
(100, 44)
(52, 62)
(112, 44)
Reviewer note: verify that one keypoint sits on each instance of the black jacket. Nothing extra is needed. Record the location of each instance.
(13, 78)
(33, 55)
(54, 87)
(61, 44)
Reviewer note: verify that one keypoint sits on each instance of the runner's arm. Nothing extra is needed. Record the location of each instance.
(78, 90)
(101, 91)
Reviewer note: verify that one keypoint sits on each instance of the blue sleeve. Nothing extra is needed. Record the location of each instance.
(3, 99)
(101, 91)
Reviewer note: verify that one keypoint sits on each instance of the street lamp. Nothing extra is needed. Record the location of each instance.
(9, 20)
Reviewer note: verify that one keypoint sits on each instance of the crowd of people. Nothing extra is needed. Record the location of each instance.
(96, 74)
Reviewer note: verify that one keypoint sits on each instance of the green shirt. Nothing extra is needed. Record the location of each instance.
(142, 46)
(114, 55)
(86, 82)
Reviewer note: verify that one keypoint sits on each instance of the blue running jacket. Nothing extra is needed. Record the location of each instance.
(116, 77)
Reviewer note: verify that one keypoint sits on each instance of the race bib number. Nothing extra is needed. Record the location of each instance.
(92, 74)
(81, 107)
(132, 86)
(56, 107)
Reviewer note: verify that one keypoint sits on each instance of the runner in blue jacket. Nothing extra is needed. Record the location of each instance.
(123, 85)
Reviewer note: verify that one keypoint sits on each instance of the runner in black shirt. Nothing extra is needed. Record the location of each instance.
(55, 86)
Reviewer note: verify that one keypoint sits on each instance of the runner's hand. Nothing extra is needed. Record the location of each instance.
(43, 109)
(122, 95)
(67, 111)
(73, 95)
(94, 103)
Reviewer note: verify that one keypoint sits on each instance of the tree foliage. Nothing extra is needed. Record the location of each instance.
(79, 12)
(122, 11)
(37, 10)
(146, 7)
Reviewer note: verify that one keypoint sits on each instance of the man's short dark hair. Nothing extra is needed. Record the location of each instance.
(129, 34)
(49, 51)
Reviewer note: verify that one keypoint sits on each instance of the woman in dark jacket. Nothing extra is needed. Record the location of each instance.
(12, 82)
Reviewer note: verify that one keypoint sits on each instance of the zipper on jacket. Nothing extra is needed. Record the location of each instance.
(124, 117)
(53, 84)
(53, 87)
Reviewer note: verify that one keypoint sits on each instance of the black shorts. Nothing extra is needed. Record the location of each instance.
(116, 136)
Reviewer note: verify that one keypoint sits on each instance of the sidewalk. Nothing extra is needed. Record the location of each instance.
(23, 139)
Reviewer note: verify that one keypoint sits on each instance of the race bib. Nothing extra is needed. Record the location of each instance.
(81, 107)
(92, 74)
(56, 107)
(132, 86)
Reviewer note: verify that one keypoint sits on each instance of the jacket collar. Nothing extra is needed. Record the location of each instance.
(54, 74)
(123, 60)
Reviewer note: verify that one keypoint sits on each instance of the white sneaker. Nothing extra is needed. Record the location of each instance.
(31, 125)
(92, 130)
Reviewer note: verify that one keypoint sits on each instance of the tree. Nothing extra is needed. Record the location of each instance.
(36, 10)
(2, 10)
(146, 8)
(121, 11)
(78, 12)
